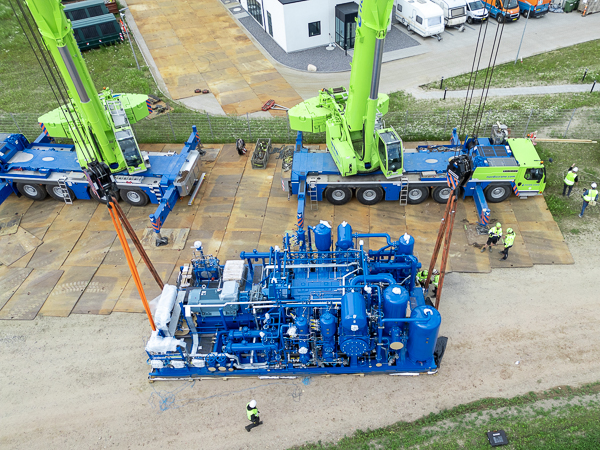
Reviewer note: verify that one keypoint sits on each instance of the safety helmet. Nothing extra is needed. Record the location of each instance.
(435, 272)
(498, 224)
(594, 185)
(575, 169)
(509, 231)
(252, 404)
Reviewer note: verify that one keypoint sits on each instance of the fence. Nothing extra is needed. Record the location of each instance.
(582, 123)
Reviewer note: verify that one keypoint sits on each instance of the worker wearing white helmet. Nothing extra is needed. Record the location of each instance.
(590, 196)
(252, 414)
(571, 178)
(509, 240)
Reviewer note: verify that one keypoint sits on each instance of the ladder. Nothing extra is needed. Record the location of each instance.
(403, 191)
(64, 190)
(445, 235)
(312, 193)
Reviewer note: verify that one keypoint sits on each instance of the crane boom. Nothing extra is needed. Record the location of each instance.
(356, 136)
(99, 124)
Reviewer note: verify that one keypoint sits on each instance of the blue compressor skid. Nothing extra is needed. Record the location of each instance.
(322, 308)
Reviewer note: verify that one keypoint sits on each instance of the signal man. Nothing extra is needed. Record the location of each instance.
(570, 180)
(494, 235)
(509, 240)
(589, 196)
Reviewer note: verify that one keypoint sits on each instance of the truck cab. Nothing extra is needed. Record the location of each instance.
(535, 8)
(503, 10)
(476, 12)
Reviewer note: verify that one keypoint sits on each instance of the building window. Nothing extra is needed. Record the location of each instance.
(314, 29)
(255, 11)
(419, 20)
(270, 23)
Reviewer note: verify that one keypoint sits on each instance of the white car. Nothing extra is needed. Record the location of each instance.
(476, 11)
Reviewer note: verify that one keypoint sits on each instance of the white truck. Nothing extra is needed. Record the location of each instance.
(476, 12)
(421, 16)
(455, 12)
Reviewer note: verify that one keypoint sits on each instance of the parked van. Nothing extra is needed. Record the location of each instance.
(502, 10)
(422, 16)
(476, 12)
(455, 12)
(535, 8)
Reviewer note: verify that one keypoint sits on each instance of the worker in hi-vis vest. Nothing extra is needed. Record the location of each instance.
(589, 196)
(435, 280)
(509, 240)
(571, 178)
(494, 236)
(422, 276)
(252, 414)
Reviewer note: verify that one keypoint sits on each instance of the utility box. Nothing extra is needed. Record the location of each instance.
(96, 31)
(85, 10)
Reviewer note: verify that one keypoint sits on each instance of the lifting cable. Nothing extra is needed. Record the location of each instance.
(471, 88)
(56, 87)
(488, 78)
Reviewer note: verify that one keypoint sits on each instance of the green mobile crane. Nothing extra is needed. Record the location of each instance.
(99, 125)
(356, 137)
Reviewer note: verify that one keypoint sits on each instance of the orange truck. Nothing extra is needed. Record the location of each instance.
(503, 10)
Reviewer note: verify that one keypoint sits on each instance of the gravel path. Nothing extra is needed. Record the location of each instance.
(505, 92)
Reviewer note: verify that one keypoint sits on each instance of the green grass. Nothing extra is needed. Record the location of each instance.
(570, 419)
(563, 66)
(24, 89)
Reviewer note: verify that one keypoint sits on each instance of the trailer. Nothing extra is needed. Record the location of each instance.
(421, 16)
(501, 166)
(455, 12)
(299, 310)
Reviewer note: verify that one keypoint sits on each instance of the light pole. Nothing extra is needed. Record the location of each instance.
(522, 36)
(122, 14)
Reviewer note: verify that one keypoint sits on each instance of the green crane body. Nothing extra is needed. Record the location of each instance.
(95, 122)
(356, 138)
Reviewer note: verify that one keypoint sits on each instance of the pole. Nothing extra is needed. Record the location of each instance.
(249, 131)
(522, 36)
(210, 125)
(527, 126)
(15, 121)
(442, 83)
(569, 124)
(129, 39)
(445, 92)
(584, 75)
(592, 90)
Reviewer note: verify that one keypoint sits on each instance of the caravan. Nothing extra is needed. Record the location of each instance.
(421, 16)
(455, 12)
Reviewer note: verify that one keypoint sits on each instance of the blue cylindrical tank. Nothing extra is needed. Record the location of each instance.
(395, 299)
(322, 237)
(344, 236)
(301, 326)
(327, 325)
(422, 336)
(406, 245)
(354, 313)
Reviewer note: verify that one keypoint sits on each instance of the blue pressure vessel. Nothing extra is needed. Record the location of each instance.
(395, 299)
(322, 237)
(406, 245)
(344, 236)
(302, 326)
(327, 324)
(354, 313)
(422, 335)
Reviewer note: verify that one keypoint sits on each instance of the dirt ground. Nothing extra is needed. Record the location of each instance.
(80, 382)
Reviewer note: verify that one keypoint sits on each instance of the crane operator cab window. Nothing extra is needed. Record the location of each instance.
(129, 149)
(390, 153)
(535, 174)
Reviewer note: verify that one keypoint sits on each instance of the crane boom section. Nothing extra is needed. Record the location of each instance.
(89, 119)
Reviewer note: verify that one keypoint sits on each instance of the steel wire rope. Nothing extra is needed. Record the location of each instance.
(488, 79)
(465, 119)
(65, 106)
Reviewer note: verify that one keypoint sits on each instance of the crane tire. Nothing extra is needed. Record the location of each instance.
(33, 191)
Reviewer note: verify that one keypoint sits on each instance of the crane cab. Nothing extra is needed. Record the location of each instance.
(390, 150)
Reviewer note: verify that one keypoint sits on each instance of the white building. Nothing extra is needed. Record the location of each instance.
(301, 24)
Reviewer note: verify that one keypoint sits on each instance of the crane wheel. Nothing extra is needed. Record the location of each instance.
(56, 192)
(338, 195)
(497, 193)
(417, 195)
(441, 194)
(33, 191)
(369, 195)
(135, 197)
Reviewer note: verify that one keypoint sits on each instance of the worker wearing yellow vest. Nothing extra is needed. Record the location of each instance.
(252, 414)
(589, 196)
(494, 235)
(571, 178)
(435, 280)
(509, 240)
(422, 276)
